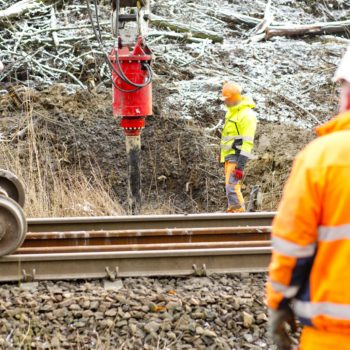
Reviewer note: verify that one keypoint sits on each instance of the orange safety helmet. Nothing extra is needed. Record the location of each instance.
(231, 92)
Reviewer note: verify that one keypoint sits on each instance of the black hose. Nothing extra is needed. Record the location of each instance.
(121, 73)
(100, 43)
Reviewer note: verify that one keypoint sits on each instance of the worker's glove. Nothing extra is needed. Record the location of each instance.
(278, 320)
(239, 173)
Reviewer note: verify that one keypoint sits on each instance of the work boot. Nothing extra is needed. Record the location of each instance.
(235, 210)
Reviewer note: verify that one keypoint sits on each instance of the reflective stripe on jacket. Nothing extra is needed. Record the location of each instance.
(311, 233)
(239, 129)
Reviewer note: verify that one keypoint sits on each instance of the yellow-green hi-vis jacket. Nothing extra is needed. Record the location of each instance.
(239, 129)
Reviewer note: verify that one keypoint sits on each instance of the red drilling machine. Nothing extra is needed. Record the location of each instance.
(132, 84)
(130, 65)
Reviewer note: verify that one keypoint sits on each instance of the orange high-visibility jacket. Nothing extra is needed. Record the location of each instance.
(311, 233)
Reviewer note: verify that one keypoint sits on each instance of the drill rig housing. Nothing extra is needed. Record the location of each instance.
(131, 103)
(132, 84)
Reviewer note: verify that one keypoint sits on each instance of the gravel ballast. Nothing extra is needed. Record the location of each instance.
(216, 312)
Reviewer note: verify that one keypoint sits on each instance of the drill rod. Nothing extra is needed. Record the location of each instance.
(133, 150)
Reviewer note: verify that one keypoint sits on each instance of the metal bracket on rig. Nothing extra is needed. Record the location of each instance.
(132, 87)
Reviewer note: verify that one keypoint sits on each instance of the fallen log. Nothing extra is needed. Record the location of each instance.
(171, 35)
(339, 27)
(184, 28)
(282, 29)
(58, 29)
(19, 9)
(233, 18)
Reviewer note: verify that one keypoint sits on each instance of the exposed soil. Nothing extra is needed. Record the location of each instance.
(179, 163)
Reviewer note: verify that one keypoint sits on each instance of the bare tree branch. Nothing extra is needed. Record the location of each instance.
(19, 9)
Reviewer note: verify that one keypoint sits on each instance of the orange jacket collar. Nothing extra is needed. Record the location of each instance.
(340, 122)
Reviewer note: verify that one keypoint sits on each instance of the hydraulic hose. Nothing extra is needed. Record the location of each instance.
(98, 36)
(121, 73)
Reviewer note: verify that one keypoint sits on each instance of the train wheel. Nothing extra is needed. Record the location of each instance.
(13, 226)
(11, 186)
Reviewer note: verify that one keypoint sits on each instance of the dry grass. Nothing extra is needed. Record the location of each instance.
(53, 186)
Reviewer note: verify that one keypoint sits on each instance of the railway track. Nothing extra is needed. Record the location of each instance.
(75, 248)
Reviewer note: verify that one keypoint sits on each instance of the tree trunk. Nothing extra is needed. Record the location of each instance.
(19, 9)
(184, 28)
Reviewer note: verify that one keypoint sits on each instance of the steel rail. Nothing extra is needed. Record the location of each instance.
(131, 264)
(109, 223)
(150, 236)
(163, 245)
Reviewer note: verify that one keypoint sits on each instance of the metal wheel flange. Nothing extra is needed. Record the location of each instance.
(11, 186)
(13, 226)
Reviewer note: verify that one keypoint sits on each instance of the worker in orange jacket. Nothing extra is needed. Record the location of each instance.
(309, 274)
